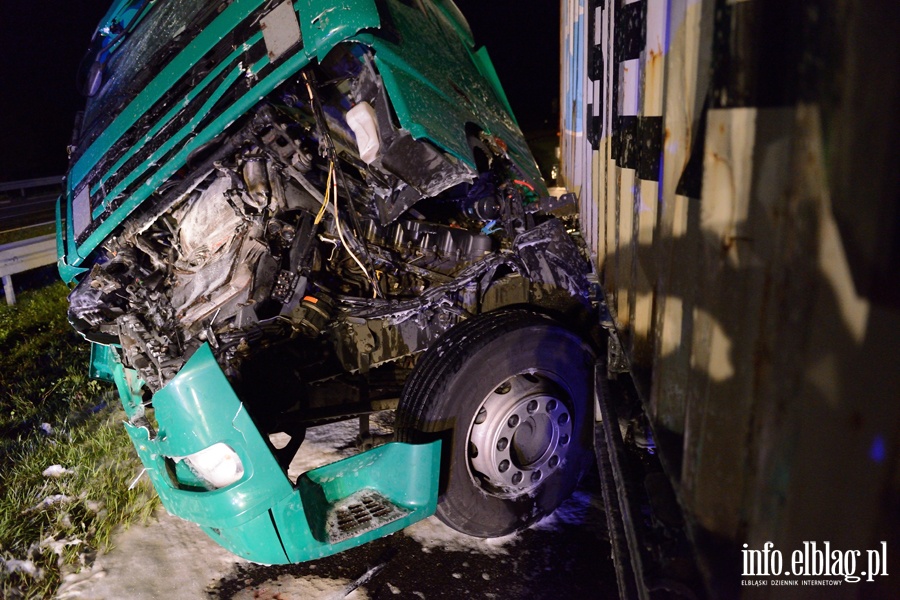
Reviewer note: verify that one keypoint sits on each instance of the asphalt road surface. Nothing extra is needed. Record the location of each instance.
(21, 212)
(565, 556)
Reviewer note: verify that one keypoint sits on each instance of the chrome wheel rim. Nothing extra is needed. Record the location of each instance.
(520, 435)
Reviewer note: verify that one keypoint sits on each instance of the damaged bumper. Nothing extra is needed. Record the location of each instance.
(261, 516)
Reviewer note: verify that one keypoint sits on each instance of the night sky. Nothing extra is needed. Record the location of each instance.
(41, 45)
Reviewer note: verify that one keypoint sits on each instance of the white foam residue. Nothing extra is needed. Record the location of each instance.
(288, 587)
(326, 444)
(56, 471)
(73, 584)
(50, 501)
(58, 546)
(177, 560)
(22, 566)
(432, 534)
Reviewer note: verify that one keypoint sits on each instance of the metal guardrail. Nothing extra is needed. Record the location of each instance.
(26, 184)
(28, 201)
(23, 255)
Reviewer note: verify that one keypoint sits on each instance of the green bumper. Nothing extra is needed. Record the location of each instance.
(262, 516)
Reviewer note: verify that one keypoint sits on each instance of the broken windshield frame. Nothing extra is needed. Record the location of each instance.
(118, 22)
(127, 54)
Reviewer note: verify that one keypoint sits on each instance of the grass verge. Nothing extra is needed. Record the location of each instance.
(26, 233)
(53, 417)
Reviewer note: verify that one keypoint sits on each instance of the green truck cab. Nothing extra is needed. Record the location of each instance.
(279, 215)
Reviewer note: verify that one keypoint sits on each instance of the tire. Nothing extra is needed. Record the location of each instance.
(509, 392)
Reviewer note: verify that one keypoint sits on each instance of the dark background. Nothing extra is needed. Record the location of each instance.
(42, 43)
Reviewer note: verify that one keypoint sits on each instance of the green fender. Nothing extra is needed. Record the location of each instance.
(263, 517)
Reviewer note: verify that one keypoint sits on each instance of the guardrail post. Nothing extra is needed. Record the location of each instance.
(24, 255)
(8, 288)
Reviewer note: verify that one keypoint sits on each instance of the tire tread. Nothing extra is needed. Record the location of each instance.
(446, 355)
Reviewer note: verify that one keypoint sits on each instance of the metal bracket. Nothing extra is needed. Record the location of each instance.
(616, 362)
(615, 357)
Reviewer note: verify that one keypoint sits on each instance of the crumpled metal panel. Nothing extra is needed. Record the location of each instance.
(262, 517)
(425, 78)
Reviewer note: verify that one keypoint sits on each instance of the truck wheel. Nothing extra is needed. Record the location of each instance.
(509, 393)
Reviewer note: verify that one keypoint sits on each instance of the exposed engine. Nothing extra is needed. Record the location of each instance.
(319, 241)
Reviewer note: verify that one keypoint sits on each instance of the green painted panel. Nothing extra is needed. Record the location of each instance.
(261, 512)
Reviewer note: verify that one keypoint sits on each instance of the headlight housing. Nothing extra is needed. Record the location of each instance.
(217, 466)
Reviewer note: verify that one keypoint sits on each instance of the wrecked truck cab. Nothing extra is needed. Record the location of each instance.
(280, 215)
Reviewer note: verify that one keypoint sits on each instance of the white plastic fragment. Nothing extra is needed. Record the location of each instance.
(362, 580)
(136, 479)
(361, 119)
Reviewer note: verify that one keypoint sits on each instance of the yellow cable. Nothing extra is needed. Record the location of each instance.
(337, 224)
(327, 191)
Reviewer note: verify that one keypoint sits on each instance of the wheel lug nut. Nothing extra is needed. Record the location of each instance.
(517, 478)
(554, 460)
(551, 405)
(563, 440)
(502, 443)
(563, 419)
(532, 406)
(536, 476)
(503, 467)
(513, 421)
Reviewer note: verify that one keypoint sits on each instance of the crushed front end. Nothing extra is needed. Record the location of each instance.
(210, 465)
(271, 210)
